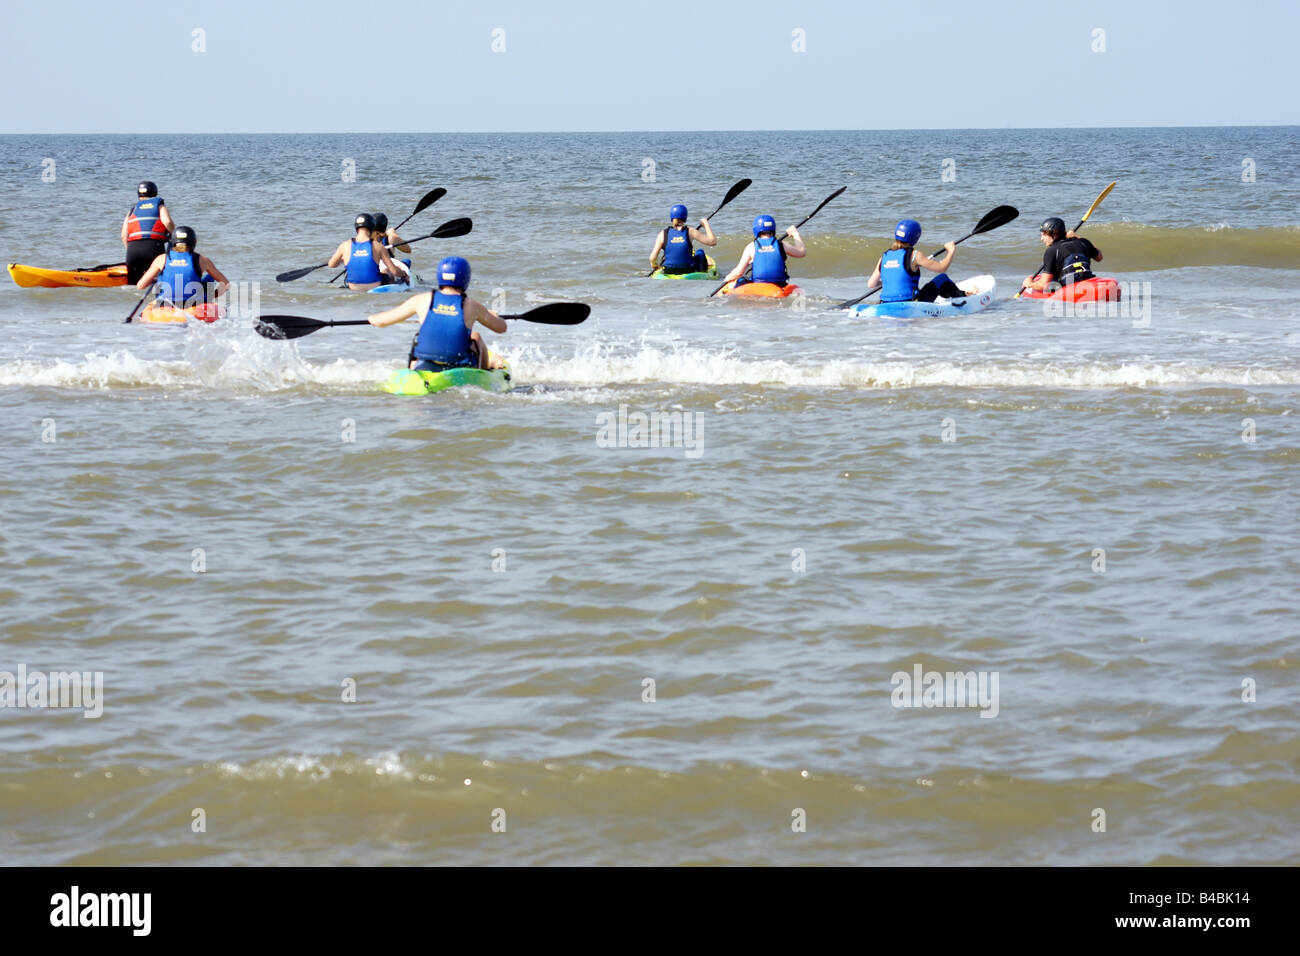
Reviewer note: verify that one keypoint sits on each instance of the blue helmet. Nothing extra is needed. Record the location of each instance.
(763, 224)
(907, 231)
(677, 212)
(454, 271)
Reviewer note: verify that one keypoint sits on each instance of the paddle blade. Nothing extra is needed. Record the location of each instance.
(298, 273)
(736, 190)
(998, 217)
(429, 199)
(1093, 208)
(287, 326)
(452, 228)
(556, 313)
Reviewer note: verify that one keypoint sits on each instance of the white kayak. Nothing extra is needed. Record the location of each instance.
(981, 292)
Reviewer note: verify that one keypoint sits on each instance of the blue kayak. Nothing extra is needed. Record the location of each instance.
(981, 292)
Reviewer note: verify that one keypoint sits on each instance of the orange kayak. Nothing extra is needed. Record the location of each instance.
(158, 314)
(765, 289)
(98, 277)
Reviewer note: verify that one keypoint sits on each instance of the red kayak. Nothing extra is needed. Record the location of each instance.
(1087, 290)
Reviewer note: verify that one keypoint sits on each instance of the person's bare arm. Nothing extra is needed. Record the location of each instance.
(125, 219)
(165, 215)
(384, 257)
(223, 284)
(746, 258)
(794, 244)
(933, 265)
(875, 276)
(704, 235)
(654, 253)
(395, 242)
(476, 311)
(340, 256)
(415, 305)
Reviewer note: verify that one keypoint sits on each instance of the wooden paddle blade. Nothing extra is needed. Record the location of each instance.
(555, 313)
(453, 228)
(298, 273)
(287, 326)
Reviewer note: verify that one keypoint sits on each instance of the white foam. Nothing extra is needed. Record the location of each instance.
(249, 366)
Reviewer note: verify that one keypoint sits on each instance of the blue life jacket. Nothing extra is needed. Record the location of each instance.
(897, 284)
(679, 253)
(362, 267)
(769, 261)
(181, 281)
(145, 221)
(443, 338)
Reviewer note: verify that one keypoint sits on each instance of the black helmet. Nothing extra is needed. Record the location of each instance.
(381, 222)
(365, 221)
(146, 190)
(184, 235)
(1054, 227)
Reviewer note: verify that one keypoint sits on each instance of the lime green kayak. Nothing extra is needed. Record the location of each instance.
(711, 274)
(407, 382)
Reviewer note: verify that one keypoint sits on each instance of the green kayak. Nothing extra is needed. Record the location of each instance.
(712, 272)
(407, 382)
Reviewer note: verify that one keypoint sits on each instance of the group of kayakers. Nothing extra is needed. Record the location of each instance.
(162, 253)
(897, 272)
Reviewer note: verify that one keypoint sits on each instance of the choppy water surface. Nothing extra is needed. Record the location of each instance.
(862, 499)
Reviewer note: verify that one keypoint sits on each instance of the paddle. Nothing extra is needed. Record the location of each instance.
(796, 226)
(995, 218)
(429, 199)
(450, 229)
(147, 292)
(1091, 209)
(296, 326)
(732, 193)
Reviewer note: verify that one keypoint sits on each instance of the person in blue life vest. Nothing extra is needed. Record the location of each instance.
(1068, 257)
(145, 230)
(182, 274)
(898, 271)
(447, 338)
(392, 241)
(677, 243)
(365, 256)
(767, 254)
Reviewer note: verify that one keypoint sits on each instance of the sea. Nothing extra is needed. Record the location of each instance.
(718, 581)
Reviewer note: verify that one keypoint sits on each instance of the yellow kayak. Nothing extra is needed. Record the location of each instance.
(96, 277)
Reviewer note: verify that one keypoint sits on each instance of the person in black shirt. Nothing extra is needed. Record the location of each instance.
(1068, 258)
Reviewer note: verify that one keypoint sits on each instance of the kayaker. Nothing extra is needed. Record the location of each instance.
(391, 241)
(676, 242)
(1068, 258)
(365, 256)
(446, 338)
(767, 255)
(183, 274)
(145, 230)
(897, 271)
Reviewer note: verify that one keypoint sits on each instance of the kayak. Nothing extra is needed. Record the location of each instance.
(159, 314)
(1088, 290)
(397, 286)
(407, 382)
(768, 290)
(712, 272)
(97, 277)
(981, 291)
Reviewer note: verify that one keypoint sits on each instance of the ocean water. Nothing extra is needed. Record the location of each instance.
(352, 628)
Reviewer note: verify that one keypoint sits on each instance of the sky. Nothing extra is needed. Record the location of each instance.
(123, 67)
